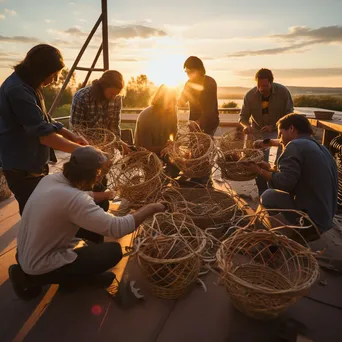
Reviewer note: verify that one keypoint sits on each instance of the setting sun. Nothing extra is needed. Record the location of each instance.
(167, 70)
(166, 63)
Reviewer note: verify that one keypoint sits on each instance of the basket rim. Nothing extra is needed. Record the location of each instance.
(167, 261)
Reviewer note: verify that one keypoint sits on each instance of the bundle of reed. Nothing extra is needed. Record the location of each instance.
(168, 251)
(5, 192)
(265, 272)
(138, 177)
(233, 163)
(102, 139)
(193, 154)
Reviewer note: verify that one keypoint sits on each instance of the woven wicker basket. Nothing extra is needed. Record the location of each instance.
(5, 192)
(207, 207)
(169, 255)
(233, 163)
(265, 272)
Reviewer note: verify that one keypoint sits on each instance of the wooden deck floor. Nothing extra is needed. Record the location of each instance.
(91, 315)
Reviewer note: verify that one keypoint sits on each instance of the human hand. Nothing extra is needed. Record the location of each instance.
(253, 168)
(110, 194)
(126, 149)
(267, 128)
(264, 165)
(157, 207)
(247, 130)
(78, 139)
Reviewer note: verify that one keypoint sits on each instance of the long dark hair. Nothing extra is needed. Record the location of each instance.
(41, 62)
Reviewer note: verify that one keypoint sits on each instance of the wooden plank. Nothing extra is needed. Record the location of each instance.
(335, 125)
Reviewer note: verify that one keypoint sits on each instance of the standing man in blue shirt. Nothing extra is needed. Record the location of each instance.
(27, 133)
(262, 107)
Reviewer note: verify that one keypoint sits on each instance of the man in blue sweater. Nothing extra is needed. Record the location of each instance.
(306, 178)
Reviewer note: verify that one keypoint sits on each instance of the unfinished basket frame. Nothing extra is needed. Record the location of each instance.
(265, 272)
(169, 253)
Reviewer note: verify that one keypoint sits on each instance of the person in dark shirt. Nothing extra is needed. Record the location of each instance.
(27, 133)
(306, 177)
(200, 91)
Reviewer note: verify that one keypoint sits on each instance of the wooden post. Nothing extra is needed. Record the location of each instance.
(92, 66)
(105, 35)
(71, 71)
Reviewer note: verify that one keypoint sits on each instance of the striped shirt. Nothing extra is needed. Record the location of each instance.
(90, 112)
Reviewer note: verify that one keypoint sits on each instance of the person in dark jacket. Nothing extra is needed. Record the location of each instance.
(27, 134)
(306, 177)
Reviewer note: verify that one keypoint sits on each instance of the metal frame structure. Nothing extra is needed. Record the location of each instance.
(103, 48)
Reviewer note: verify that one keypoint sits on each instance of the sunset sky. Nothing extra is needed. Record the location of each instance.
(300, 40)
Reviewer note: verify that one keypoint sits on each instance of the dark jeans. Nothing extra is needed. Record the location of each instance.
(22, 184)
(91, 260)
(86, 234)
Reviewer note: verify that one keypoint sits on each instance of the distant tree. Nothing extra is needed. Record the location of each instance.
(319, 101)
(51, 92)
(230, 104)
(138, 92)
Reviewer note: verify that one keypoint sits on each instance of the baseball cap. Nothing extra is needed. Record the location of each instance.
(88, 157)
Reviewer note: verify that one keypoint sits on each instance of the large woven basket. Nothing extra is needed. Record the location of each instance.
(169, 255)
(233, 163)
(5, 192)
(207, 207)
(138, 177)
(264, 272)
(193, 154)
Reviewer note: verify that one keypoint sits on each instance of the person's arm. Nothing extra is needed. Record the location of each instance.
(289, 169)
(145, 212)
(266, 143)
(58, 142)
(245, 115)
(73, 137)
(83, 212)
(116, 120)
(183, 100)
(29, 115)
(102, 196)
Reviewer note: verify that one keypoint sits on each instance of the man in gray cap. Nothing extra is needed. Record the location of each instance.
(47, 251)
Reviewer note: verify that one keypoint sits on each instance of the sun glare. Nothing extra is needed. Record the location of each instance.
(166, 67)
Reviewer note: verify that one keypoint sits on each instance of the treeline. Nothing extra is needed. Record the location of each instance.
(319, 101)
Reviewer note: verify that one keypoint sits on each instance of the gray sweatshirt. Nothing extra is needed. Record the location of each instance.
(308, 172)
(52, 216)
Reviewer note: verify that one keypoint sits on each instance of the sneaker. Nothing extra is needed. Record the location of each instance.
(22, 287)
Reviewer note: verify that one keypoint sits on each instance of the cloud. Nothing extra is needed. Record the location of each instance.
(19, 39)
(274, 51)
(325, 34)
(119, 32)
(75, 31)
(49, 21)
(133, 31)
(297, 73)
(2, 17)
(300, 37)
(10, 12)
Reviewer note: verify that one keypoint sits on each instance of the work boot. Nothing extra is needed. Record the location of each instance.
(23, 288)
